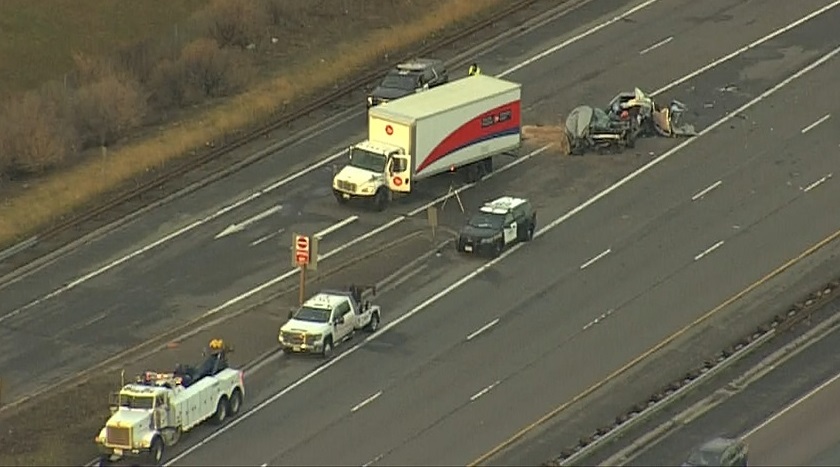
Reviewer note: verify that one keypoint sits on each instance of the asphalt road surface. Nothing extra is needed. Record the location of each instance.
(555, 316)
(788, 417)
(172, 264)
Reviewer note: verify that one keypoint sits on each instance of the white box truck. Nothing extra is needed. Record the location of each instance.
(458, 126)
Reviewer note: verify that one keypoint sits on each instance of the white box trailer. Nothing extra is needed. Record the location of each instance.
(458, 126)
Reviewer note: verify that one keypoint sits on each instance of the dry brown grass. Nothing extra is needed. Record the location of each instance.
(53, 197)
(547, 134)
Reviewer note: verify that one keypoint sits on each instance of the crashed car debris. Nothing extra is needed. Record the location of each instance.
(592, 128)
(651, 118)
(628, 116)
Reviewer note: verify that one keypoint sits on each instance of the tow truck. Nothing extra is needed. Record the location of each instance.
(329, 318)
(152, 413)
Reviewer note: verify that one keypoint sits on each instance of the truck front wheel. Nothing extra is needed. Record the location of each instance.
(373, 325)
(156, 452)
(339, 196)
(380, 199)
(328, 348)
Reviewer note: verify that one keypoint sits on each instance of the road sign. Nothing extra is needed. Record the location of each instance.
(301, 250)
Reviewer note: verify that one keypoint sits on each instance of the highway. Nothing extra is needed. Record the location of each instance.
(176, 263)
(788, 417)
(719, 214)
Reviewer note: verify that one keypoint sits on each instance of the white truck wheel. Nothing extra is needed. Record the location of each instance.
(221, 412)
(328, 347)
(373, 325)
(235, 402)
(156, 452)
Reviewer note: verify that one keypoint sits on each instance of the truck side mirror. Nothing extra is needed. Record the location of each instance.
(291, 313)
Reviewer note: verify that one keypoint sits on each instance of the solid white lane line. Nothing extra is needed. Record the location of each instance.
(656, 46)
(593, 260)
(814, 125)
(336, 226)
(366, 402)
(790, 407)
(817, 183)
(708, 250)
(486, 266)
(240, 226)
(706, 190)
(478, 331)
(267, 237)
(483, 391)
(747, 47)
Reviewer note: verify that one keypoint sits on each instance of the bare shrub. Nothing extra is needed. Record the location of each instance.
(139, 59)
(34, 138)
(213, 72)
(107, 108)
(236, 23)
(167, 84)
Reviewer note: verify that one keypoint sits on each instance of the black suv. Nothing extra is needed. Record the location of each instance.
(407, 78)
(497, 224)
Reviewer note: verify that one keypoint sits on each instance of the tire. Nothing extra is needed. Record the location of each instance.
(235, 402)
(497, 249)
(529, 233)
(327, 351)
(221, 412)
(156, 452)
(380, 199)
(373, 325)
(104, 461)
(340, 199)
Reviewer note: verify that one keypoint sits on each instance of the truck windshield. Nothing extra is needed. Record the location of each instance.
(313, 315)
(136, 402)
(487, 221)
(367, 160)
(397, 81)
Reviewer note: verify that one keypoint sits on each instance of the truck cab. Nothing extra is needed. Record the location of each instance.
(326, 320)
(374, 170)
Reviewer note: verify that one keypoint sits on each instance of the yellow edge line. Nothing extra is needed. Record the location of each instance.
(524, 431)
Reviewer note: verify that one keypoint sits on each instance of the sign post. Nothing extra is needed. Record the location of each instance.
(432, 216)
(301, 256)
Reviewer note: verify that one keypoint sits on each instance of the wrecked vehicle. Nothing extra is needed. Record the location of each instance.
(650, 118)
(592, 128)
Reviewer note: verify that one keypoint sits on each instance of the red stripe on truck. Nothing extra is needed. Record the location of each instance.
(474, 132)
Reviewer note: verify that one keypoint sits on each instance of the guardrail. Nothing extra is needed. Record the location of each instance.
(799, 312)
(233, 141)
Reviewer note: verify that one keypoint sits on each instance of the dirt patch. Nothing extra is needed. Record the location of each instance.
(59, 427)
(547, 134)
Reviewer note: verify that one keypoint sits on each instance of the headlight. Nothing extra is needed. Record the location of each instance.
(315, 337)
(367, 189)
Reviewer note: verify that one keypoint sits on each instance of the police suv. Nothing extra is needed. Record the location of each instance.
(497, 224)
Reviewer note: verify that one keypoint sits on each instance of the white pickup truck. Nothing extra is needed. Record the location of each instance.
(150, 415)
(329, 318)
